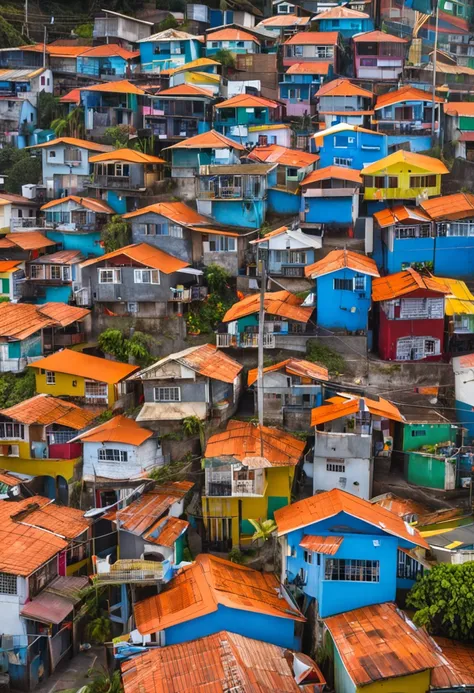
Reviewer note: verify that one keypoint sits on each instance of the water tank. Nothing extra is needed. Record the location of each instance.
(29, 191)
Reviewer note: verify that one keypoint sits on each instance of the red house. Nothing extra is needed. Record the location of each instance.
(411, 316)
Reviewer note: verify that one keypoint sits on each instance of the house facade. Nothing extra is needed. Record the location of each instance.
(378, 55)
(234, 117)
(180, 112)
(168, 49)
(231, 39)
(286, 251)
(350, 146)
(311, 46)
(341, 101)
(300, 84)
(330, 195)
(346, 21)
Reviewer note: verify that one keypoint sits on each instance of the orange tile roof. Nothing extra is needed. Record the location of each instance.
(186, 90)
(73, 96)
(342, 259)
(377, 37)
(91, 203)
(216, 232)
(283, 155)
(340, 13)
(466, 361)
(143, 513)
(231, 35)
(402, 283)
(405, 94)
(327, 545)
(271, 234)
(120, 87)
(243, 441)
(343, 87)
(337, 172)
(376, 643)
(420, 161)
(166, 531)
(73, 142)
(208, 361)
(85, 366)
(45, 410)
(62, 313)
(400, 215)
(68, 522)
(284, 20)
(459, 108)
(198, 589)
(110, 50)
(328, 504)
(8, 479)
(450, 207)
(55, 50)
(176, 211)
(9, 265)
(313, 38)
(305, 369)
(132, 156)
(247, 101)
(219, 663)
(119, 429)
(344, 405)
(309, 68)
(26, 240)
(144, 254)
(208, 140)
(282, 303)
(456, 667)
(20, 320)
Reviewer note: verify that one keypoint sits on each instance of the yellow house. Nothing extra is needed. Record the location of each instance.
(249, 472)
(94, 380)
(403, 176)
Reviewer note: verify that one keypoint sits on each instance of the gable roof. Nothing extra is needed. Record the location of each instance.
(405, 282)
(304, 239)
(450, 207)
(91, 203)
(375, 643)
(200, 588)
(459, 108)
(119, 429)
(45, 409)
(342, 127)
(73, 96)
(309, 68)
(407, 93)
(342, 259)
(340, 13)
(330, 503)
(146, 255)
(179, 212)
(345, 404)
(247, 101)
(284, 20)
(221, 662)
(122, 86)
(170, 35)
(132, 156)
(377, 37)
(305, 369)
(205, 359)
(421, 161)
(186, 90)
(343, 87)
(313, 38)
(73, 142)
(60, 257)
(337, 172)
(20, 320)
(231, 35)
(109, 50)
(282, 303)
(401, 215)
(26, 240)
(208, 140)
(85, 366)
(283, 155)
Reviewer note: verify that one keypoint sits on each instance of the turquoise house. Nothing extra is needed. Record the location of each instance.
(299, 85)
(344, 20)
(208, 148)
(50, 278)
(234, 116)
(107, 61)
(337, 544)
(168, 49)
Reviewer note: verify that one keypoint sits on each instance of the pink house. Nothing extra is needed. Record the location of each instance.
(378, 55)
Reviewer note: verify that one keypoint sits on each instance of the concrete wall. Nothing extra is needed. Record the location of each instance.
(355, 451)
(178, 247)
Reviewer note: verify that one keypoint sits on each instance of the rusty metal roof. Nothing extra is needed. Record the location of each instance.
(282, 303)
(327, 545)
(401, 215)
(403, 283)
(305, 369)
(57, 601)
(90, 203)
(166, 531)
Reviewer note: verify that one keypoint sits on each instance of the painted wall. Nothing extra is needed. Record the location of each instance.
(87, 243)
(414, 436)
(347, 27)
(329, 210)
(65, 386)
(356, 452)
(335, 307)
(178, 247)
(280, 202)
(40, 467)
(172, 54)
(244, 47)
(404, 191)
(428, 470)
(139, 459)
(53, 162)
(417, 143)
(250, 215)
(361, 148)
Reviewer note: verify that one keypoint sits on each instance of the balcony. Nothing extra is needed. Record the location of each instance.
(121, 182)
(194, 293)
(219, 489)
(225, 340)
(131, 572)
(20, 223)
(236, 488)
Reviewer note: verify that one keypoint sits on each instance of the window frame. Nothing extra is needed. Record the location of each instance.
(167, 398)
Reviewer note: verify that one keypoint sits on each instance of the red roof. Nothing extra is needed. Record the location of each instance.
(186, 90)
(377, 37)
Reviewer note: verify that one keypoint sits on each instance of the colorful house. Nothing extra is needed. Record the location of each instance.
(24, 245)
(51, 278)
(89, 379)
(291, 389)
(300, 83)
(285, 315)
(111, 103)
(252, 482)
(293, 166)
(18, 120)
(406, 115)
(17, 212)
(403, 176)
(463, 367)
(179, 112)
(109, 61)
(232, 39)
(459, 317)
(11, 274)
(211, 605)
(459, 123)
(122, 175)
(168, 49)
(37, 438)
(236, 115)
(341, 101)
(330, 195)
(312, 46)
(347, 277)
(410, 316)
(348, 145)
(286, 251)
(203, 72)
(334, 543)
(65, 164)
(344, 20)
(378, 55)
(284, 25)
(208, 148)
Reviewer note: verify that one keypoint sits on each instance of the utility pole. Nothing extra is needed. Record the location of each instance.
(44, 46)
(26, 30)
(433, 95)
(261, 327)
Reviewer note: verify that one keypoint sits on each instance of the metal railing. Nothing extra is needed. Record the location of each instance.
(131, 571)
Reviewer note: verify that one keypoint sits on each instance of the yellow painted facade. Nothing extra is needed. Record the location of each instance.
(403, 171)
(37, 467)
(416, 683)
(74, 568)
(69, 385)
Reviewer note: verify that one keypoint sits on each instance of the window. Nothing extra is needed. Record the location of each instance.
(293, 93)
(50, 378)
(222, 244)
(8, 584)
(147, 276)
(308, 557)
(13, 451)
(167, 394)
(408, 567)
(393, 181)
(12, 430)
(342, 161)
(112, 455)
(418, 432)
(359, 283)
(132, 307)
(379, 181)
(43, 80)
(297, 258)
(51, 154)
(95, 390)
(55, 272)
(352, 570)
(110, 276)
(422, 181)
(343, 284)
(37, 271)
(336, 466)
(175, 230)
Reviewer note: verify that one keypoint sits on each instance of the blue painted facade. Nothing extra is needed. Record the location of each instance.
(357, 148)
(162, 55)
(328, 210)
(55, 294)
(102, 67)
(347, 26)
(418, 143)
(306, 87)
(250, 215)
(244, 47)
(452, 256)
(465, 417)
(281, 202)
(340, 308)
(87, 243)
(27, 121)
(279, 631)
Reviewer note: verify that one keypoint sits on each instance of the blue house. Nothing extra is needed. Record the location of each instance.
(107, 104)
(108, 61)
(50, 278)
(344, 20)
(179, 112)
(18, 120)
(341, 101)
(213, 588)
(168, 49)
(236, 195)
(300, 83)
(236, 115)
(209, 148)
(343, 290)
(342, 551)
(330, 195)
(349, 145)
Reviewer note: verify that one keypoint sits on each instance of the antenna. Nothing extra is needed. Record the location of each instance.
(261, 333)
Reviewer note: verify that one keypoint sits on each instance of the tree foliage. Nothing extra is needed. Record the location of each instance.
(20, 166)
(192, 426)
(9, 36)
(168, 22)
(16, 388)
(115, 343)
(324, 356)
(225, 57)
(217, 279)
(71, 125)
(84, 30)
(49, 109)
(102, 681)
(118, 135)
(116, 234)
(99, 630)
(264, 529)
(444, 600)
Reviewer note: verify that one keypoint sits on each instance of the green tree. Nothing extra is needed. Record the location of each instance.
(217, 279)
(122, 348)
(71, 125)
(99, 630)
(9, 36)
(102, 681)
(264, 529)
(168, 22)
(113, 342)
(119, 135)
(225, 57)
(116, 234)
(49, 109)
(27, 169)
(444, 600)
(192, 425)
(84, 30)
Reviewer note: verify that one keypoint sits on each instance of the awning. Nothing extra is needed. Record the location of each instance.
(172, 411)
(467, 137)
(57, 601)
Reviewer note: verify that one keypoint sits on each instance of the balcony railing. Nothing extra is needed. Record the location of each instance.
(115, 182)
(26, 223)
(225, 340)
(195, 293)
(131, 571)
(216, 489)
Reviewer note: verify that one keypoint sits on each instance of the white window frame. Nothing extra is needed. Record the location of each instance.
(132, 307)
(9, 430)
(8, 584)
(112, 455)
(50, 378)
(167, 394)
(114, 273)
(138, 275)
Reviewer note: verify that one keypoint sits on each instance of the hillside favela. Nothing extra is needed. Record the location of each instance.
(237, 346)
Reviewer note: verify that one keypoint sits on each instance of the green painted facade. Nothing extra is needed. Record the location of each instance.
(466, 123)
(32, 346)
(416, 436)
(426, 470)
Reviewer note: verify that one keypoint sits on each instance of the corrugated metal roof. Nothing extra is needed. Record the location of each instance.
(246, 101)
(91, 203)
(119, 87)
(132, 156)
(62, 257)
(119, 429)
(309, 68)
(450, 207)
(377, 37)
(144, 254)
(344, 405)
(406, 282)
(459, 108)
(47, 608)
(85, 366)
(337, 172)
(231, 35)
(460, 300)
(305, 369)
(327, 545)
(340, 13)
(166, 531)
(282, 303)
(283, 155)
(342, 259)
(26, 240)
(207, 140)
(343, 87)
(44, 410)
(186, 90)
(62, 313)
(179, 212)
(20, 75)
(400, 215)
(313, 38)
(284, 20)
